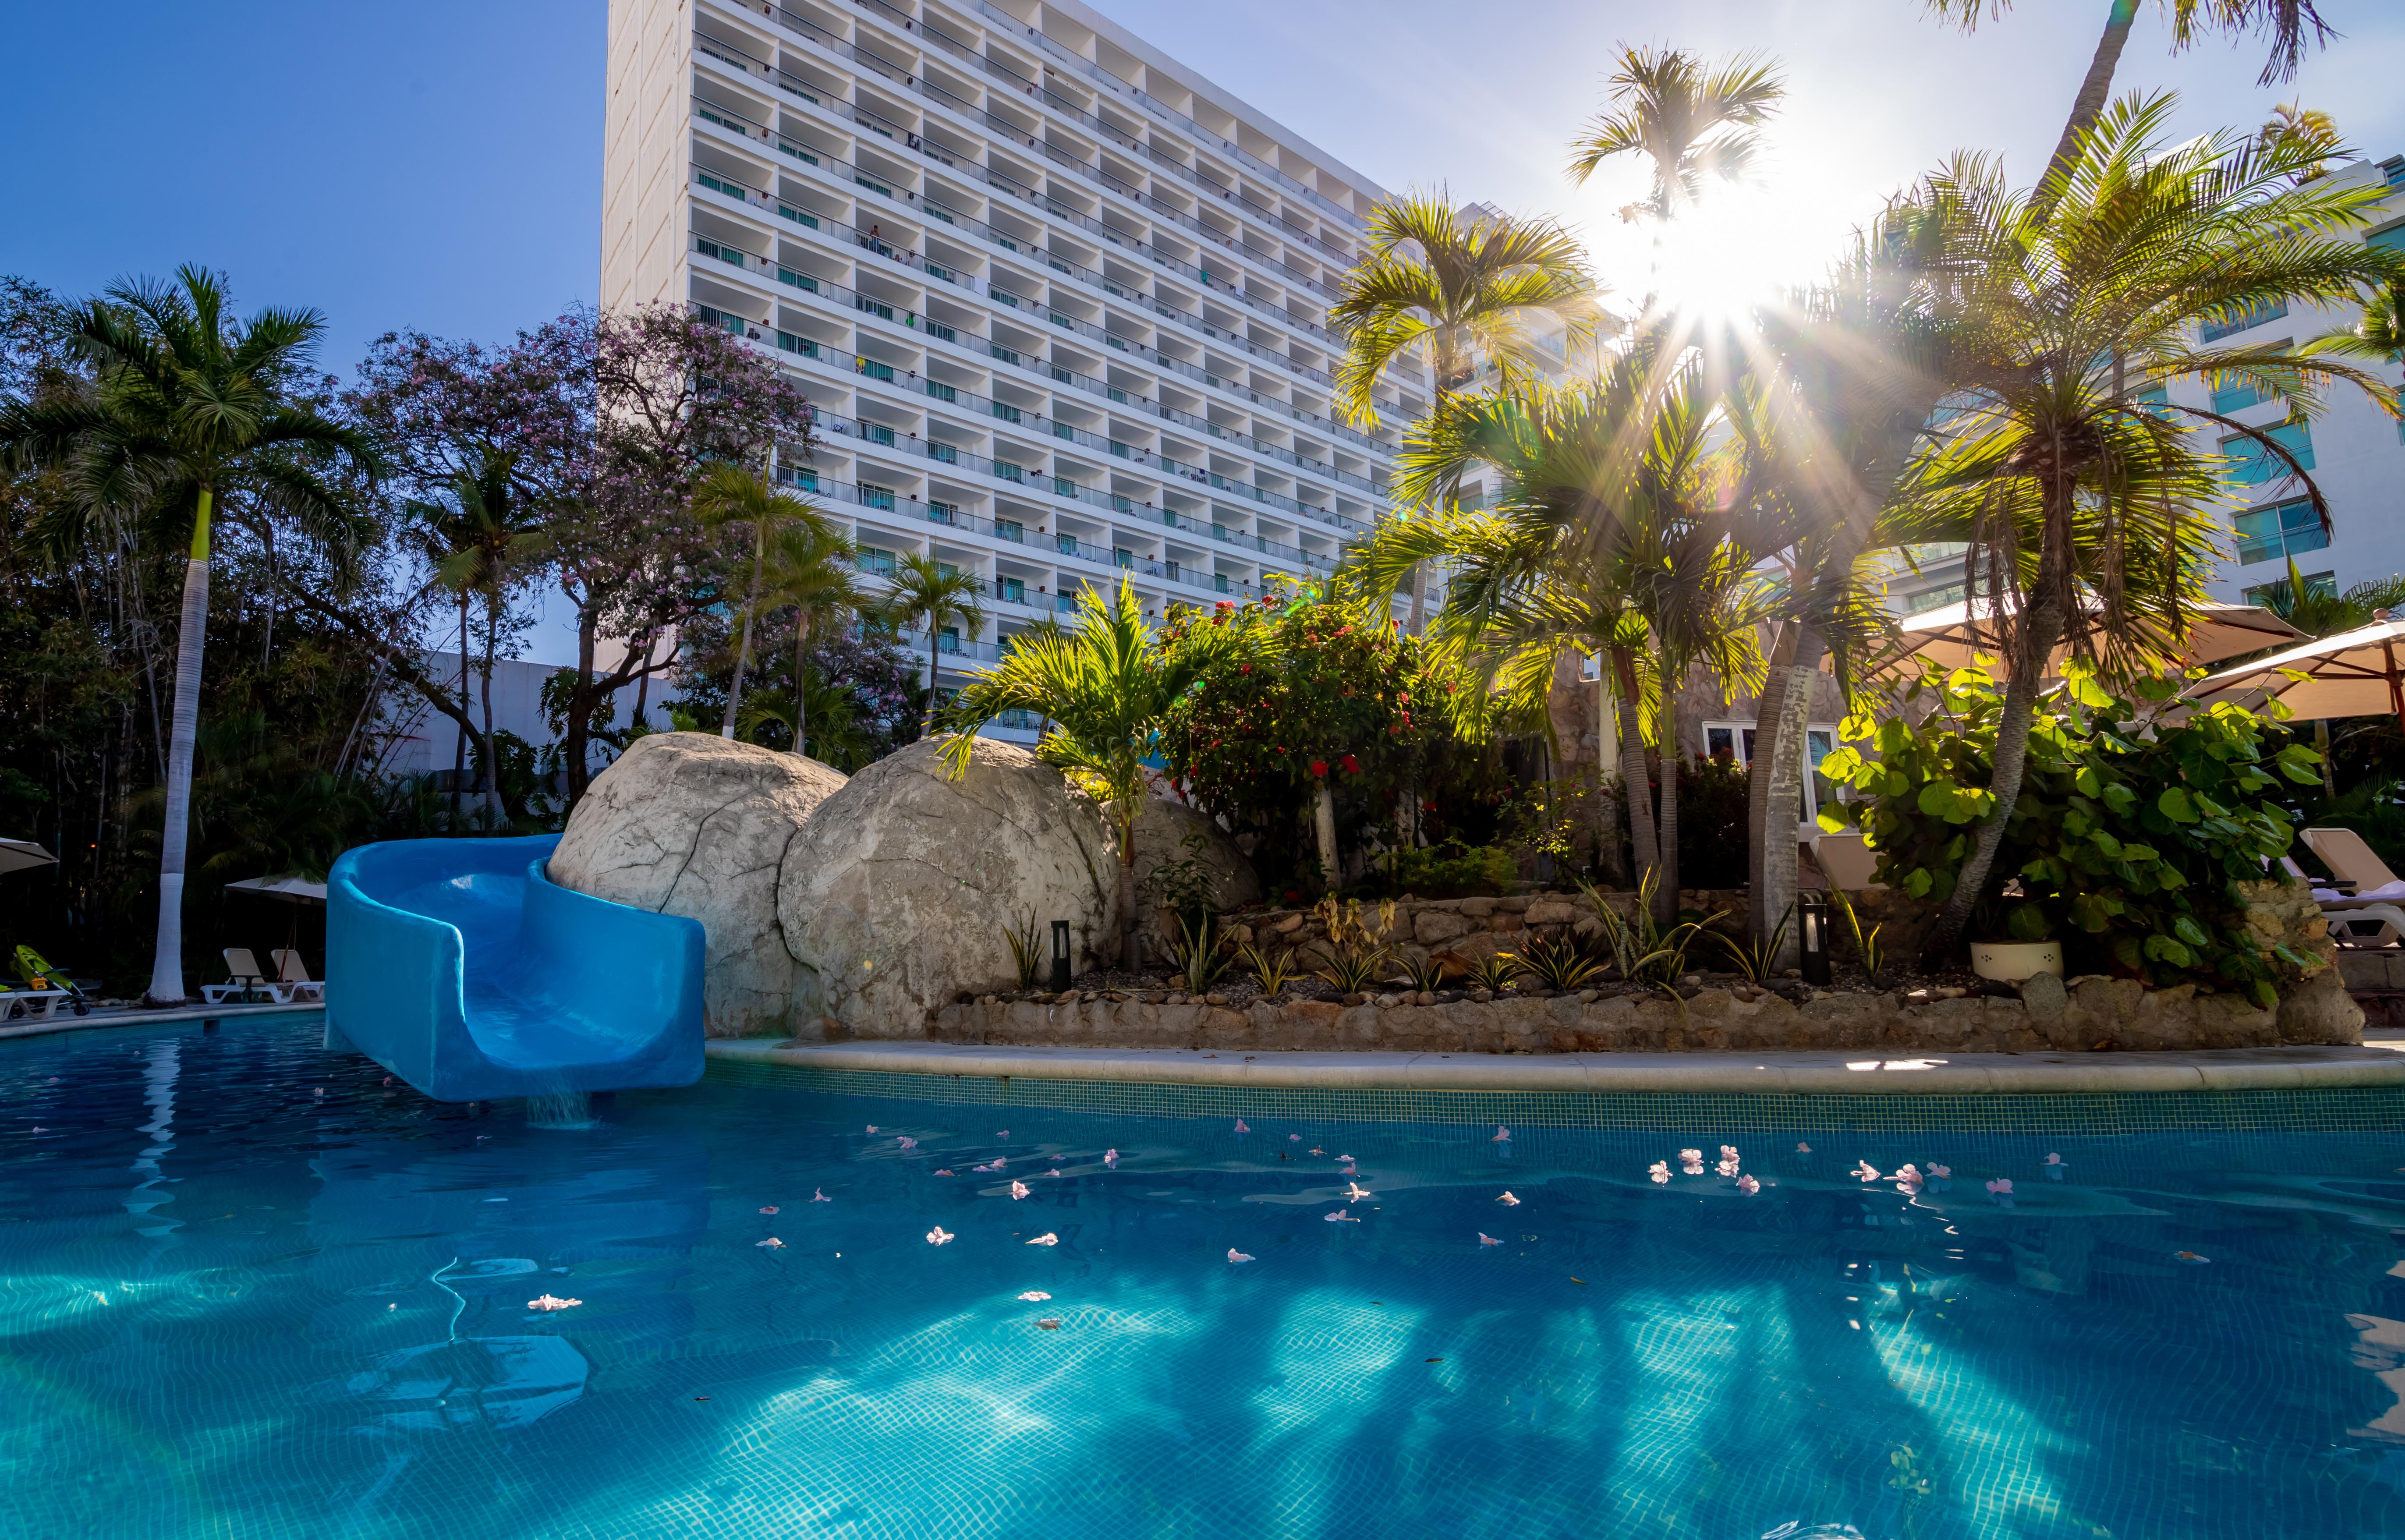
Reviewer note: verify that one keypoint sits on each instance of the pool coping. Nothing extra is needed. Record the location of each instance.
(2379, 1062)
(137, 1017)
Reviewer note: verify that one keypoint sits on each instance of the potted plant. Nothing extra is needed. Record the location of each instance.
(2028, 946)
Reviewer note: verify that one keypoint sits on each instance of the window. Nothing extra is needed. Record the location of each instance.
(1950, 594)
(2216, 330)
(798, 216)
(873, 560)
(943, 512)
(1007, 413)
(1063, 487)
(1012, 589)
(2323, 584)
(876, 496)
(950, 639)
(799, 280)
(942, 392)
(2230, 395)
(1010, 530)
(1008, 471)
(948, 454)
(1122, 556)
(1065, 543)
(938, 329)
(1219, 581)
(2282, 530)
(1065, 603)
(1019, 719)
(1735, 740)
(802, 345)
(1063, 430)
(873, 307)
(2252, 464)
(874, 370)
(877, 433)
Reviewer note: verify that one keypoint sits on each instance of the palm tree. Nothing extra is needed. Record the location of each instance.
(2283, 23)
(2071, 486)
(1692, 120)
(484, 540)
(1106, 690)
(936, 593)
(812, 568)
(1461, 299)
(732, 494)
(191, 416)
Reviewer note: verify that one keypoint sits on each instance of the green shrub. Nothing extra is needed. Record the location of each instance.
(2128, 840)
(1450, 870)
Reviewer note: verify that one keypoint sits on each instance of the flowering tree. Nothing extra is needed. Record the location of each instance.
(1316, 708)
(611, 420)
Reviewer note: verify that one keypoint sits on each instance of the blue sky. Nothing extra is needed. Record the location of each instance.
(438, 165)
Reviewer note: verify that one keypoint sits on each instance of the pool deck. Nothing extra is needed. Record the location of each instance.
(136, 1017)
(2380, 1062)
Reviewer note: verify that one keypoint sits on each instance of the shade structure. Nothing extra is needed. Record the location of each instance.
(2353, 674)
(291, 887)
(18, 854)
(1949, 634)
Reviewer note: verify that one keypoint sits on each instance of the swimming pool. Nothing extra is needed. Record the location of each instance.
(249, 1289)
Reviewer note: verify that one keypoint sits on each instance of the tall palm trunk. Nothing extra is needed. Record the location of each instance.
(2088, 105)
(1634, 781)
(801, 694)
(1131, 942)
(1323, 824)
(1783, 793)
(743, 653)
(167, 960)
(492, 763)
(459, 747)
(1665, 887)
(1757, 777)
(927, 727)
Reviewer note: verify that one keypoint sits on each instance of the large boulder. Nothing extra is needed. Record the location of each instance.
(1162, 831)
(687, 823)
(896, 896)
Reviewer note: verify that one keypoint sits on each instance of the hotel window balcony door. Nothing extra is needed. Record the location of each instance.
(1735, 740)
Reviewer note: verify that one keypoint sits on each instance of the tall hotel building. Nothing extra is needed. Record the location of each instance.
(1061, 302)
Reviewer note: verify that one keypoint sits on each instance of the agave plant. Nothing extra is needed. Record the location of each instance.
(1026, 950)
(1556, 962)
(1354, 957)
(1495, 975)
(1200, 962)
(1270, 975)
(1867, 947)
(1644, 949)
(1758, 959)
(1426, 973)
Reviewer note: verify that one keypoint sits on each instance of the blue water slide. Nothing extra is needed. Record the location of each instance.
(460, 966)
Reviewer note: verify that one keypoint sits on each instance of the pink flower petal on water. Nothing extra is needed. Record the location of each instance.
(2053, 1159)
(1748, 1185)
(1035, 1297)
(1017, 1190)
(1237, 1257)
(872, 1128)
(939, 1237)
(1340, 1217)
(908, 1143)
(1502, 1135)
(1046, 1239)
(1485, 1239)
(1111, 1158)
(1294, 1139)
(818, 1195)
(1867, 1172)
(772, 1243)
(2002, 1186)
(1803, 1149)
(769, 1209)
(1002, 1133)
(1239, 1127)
(1049, 1323)
(1355, 1192)
(2191, 1258)
(941, 1171)
(1940, 1173)
(552, 1302)
(1509, 1201)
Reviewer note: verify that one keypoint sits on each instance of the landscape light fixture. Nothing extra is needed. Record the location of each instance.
(1060, 957)
(1812, 934)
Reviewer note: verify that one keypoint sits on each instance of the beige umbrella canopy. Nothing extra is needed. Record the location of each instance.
(290, 887)
(18, 854)
(2353, 674)
(1949, 634)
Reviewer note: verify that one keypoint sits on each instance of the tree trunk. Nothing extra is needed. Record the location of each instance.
(1130, 940)
(1757, 781)
(2041, 627)
(1665, 887)
(2321, 742)
(1323, 820)
(927, 728)
(1783, 788)
(1419, 598)
(492, 763)
(2088, 105)
(801, 700)
(460, 750)
(580, 711)
(743, 653)
(167, 960)
(1637, 796)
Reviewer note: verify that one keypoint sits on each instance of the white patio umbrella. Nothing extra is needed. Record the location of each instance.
(2353, 674)
(1949, 634)
(290, 887)
(16, 855)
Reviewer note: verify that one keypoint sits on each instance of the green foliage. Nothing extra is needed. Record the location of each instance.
(1428, 972)
(1354, 955)
(1450, 869)
(2130, 839)
(1026, 948)
(1199, 958)
(1271, 975)
(1557, 962)
(1757, 960)
(1287, 696)
(1867, 949)
(1182, 886)
(1494, 974)
(1644, 948)
(1713, 823)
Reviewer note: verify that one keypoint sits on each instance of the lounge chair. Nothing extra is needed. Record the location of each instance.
(293, 973)
(2368, 908)
(1846, 860)
(246, 985)
(44, 990)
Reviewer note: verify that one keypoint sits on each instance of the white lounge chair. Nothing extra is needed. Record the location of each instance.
(1846, 860)
(293, 974)
(2374, 914)
(244, 983)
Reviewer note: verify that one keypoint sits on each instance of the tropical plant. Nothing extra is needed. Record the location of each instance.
(1759, 957)
(1200, 957)
(1557, 962)
(1693, 121)
(1450, 869)
(1354, 955)
(2131, 837)
(811, 568)
(829, 715)
(1026, 947)
(1425, 971)
(1106, 690)
(733, 494)
(2072, 487)
(1495, 975)
(1644, 948)
(190, 416)
(486, 539)
(2284, 25)
(1868, 949)
(1271, 975)
(940, 596)
(1463, 297)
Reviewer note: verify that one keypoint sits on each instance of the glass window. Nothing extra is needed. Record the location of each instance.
(1010, 530)
(2323, 584)
(876, 496)
(1013, 589)
(2251, 464)
(2232, 326)
(2283, 530)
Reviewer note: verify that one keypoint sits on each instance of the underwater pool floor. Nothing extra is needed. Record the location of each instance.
(250, 1289)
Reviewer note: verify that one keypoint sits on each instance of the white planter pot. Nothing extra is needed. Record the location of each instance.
(2010, 961)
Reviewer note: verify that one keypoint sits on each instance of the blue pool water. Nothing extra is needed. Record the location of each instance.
(247, 1289)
